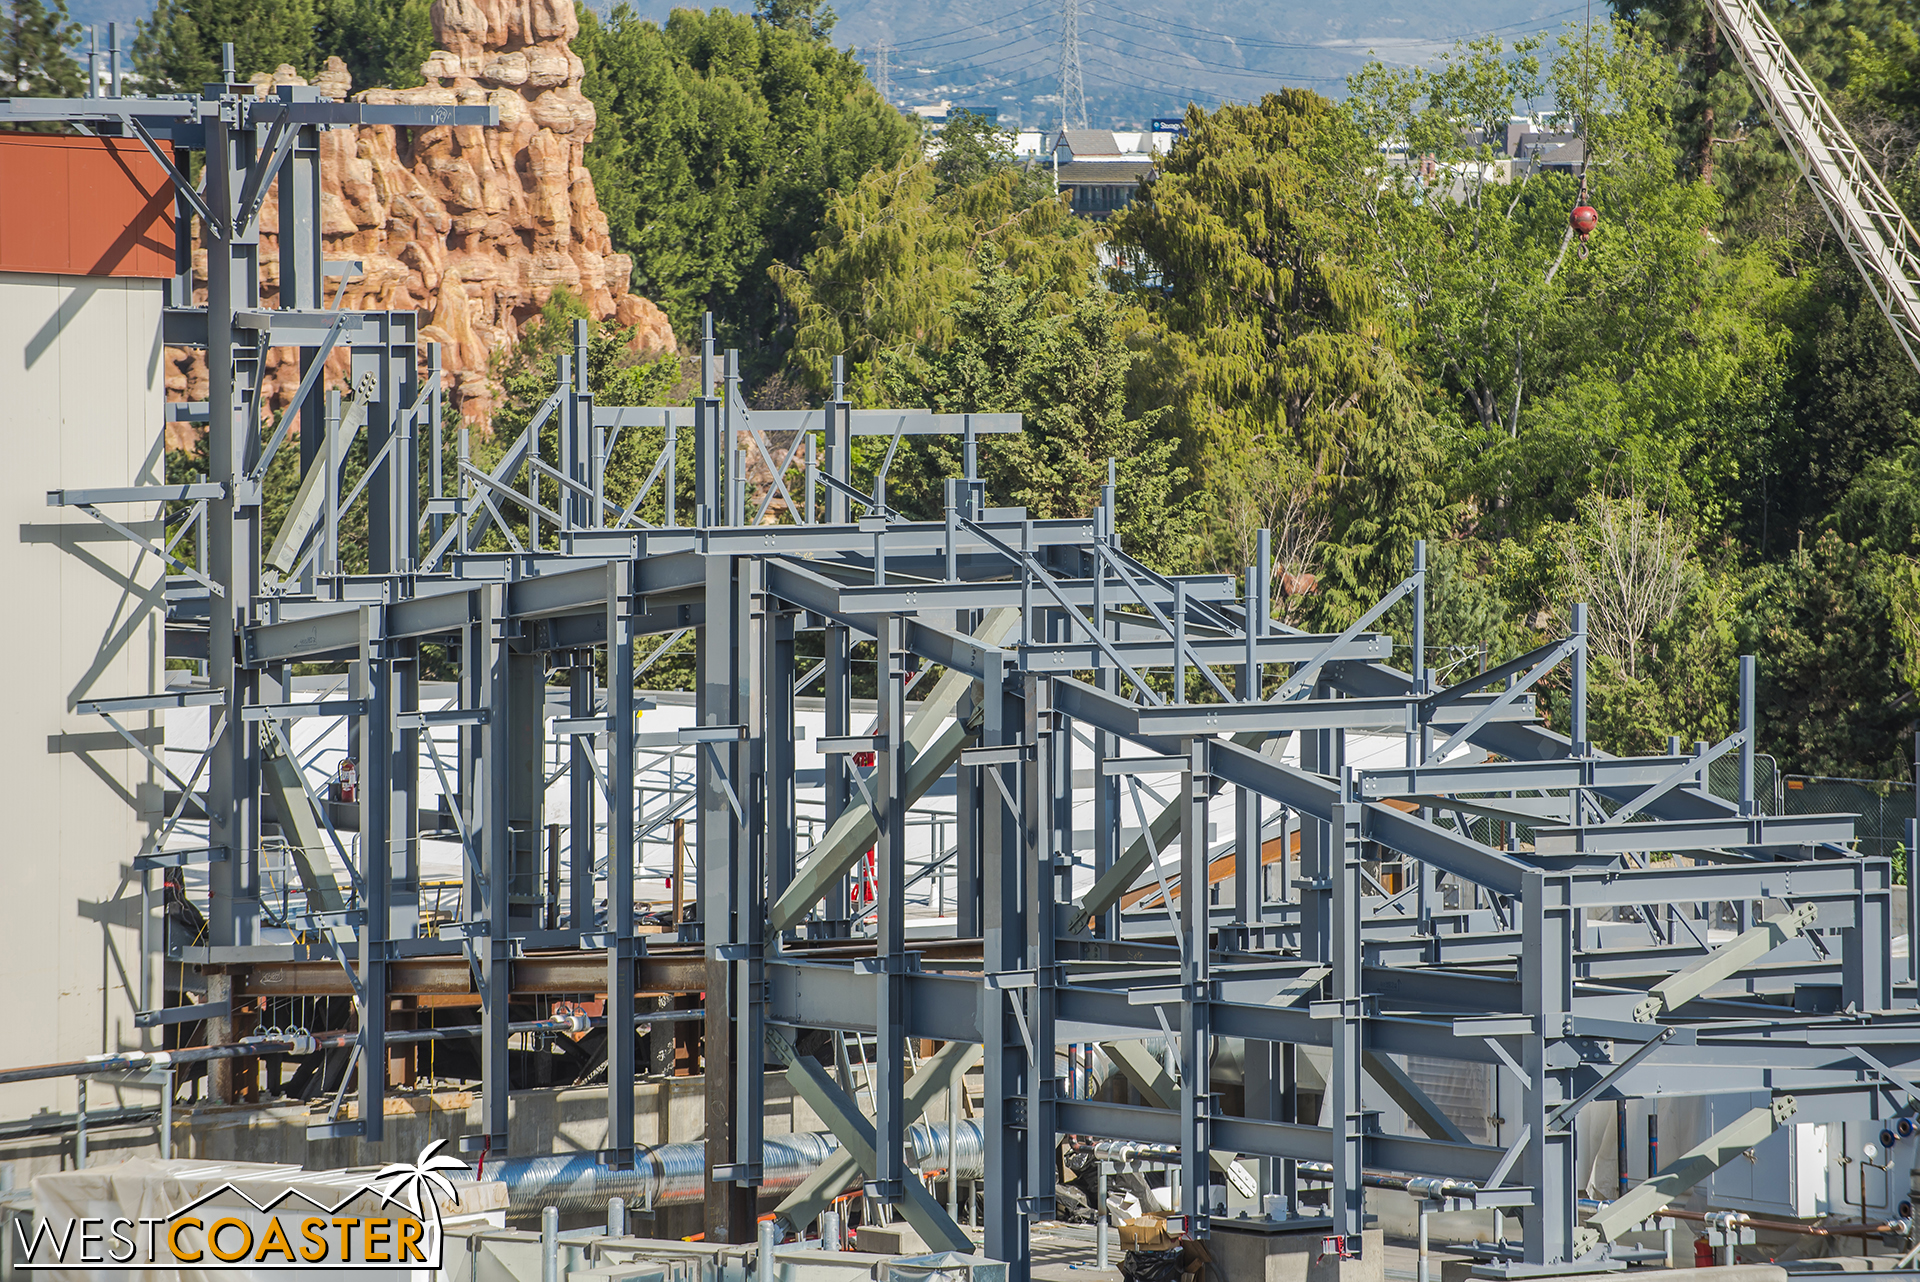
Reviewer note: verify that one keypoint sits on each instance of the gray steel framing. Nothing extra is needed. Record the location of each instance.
(1492, 953)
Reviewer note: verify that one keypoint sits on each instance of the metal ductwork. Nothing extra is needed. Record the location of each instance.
(677, 1173)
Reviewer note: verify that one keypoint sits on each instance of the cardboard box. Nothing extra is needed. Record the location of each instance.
(1146, 1233)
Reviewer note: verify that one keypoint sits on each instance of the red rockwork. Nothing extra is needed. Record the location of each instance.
(472, 228)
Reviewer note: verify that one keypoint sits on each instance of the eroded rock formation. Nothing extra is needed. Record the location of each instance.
(473, 228)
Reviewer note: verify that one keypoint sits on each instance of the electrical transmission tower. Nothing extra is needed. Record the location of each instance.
(1073, 95)
(882, 71)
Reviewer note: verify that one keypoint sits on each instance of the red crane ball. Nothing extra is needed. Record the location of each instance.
(1583, 220)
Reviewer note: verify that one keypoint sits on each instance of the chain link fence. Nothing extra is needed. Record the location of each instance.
(1884, 806)
(1723, 780)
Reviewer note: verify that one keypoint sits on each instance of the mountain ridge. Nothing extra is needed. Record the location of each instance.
(1138, 60)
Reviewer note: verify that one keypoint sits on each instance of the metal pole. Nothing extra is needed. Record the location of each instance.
(80, 1125)
(1620, 1137)
(550, 1244)
(331, 559)
(1747, 716)
(1100, 1209)
(769, 1238)
(166, 1116)
(953, 1141)
(1421, 1267)
(616, 1217)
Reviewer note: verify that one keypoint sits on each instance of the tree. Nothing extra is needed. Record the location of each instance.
(1719, 128)
(1066, 372)
(177, 48)
(1831, 698)
(383, 42)
(1630, 566)
(1274, 343)
(972, 148)
(893, 258)
(1644, 362)
(808, 17)
(34, 61)
(720, 140)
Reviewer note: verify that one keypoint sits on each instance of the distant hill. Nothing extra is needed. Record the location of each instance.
(1139, 58)
(1146, 58)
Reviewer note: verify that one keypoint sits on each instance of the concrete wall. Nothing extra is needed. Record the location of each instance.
(80, 399)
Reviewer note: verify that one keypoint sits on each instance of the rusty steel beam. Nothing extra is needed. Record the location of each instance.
(541, 974)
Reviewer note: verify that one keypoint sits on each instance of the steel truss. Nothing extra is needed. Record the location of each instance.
(1572, 959)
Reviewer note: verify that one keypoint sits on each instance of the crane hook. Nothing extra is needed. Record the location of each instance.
(1583, 219)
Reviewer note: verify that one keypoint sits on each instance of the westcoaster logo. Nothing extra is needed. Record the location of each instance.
(391, 1221)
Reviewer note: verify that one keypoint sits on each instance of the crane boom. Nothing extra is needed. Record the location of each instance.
(1869, 222)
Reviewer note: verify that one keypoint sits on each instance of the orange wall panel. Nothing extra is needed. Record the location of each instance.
(83, 207)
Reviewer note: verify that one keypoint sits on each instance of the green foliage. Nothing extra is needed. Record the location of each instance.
(1279, 353)
(177, 48)
(383, 42)
(1830, 695)
(808, 17)
(1066, 371)
(34, 57)
(894, 256)
(972, 148)
(719, 140)
(1634, 365)
(526, 374)
(1719, 129)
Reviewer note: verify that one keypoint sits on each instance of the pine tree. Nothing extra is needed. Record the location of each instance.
(34, 57)
(383, 42)
(177, 50)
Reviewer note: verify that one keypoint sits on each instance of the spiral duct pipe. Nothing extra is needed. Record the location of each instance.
(927, 1149)
(661, 1176)
(677, 1173)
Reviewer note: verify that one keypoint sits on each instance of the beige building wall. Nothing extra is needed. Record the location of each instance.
(80, 407)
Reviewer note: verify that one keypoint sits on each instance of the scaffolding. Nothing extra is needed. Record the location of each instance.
(1500, 895)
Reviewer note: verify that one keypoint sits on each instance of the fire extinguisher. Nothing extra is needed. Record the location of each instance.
(1702, 1253)
(869, 882)
(346, 782)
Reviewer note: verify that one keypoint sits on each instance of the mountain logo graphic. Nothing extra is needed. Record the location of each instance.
(391, 1221)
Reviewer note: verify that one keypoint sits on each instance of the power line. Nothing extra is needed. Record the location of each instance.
(976, 65)
(1222, 66)
(1257, 42)
(971, 26)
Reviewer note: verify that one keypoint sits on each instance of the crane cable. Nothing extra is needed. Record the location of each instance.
(1584, 217)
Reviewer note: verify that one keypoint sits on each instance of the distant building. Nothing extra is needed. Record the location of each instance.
(1543, 150)
(1101, 169)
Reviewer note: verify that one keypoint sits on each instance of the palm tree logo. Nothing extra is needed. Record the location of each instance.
(412, 1183)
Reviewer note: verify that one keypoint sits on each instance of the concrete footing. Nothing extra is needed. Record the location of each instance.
(1246, 1251)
